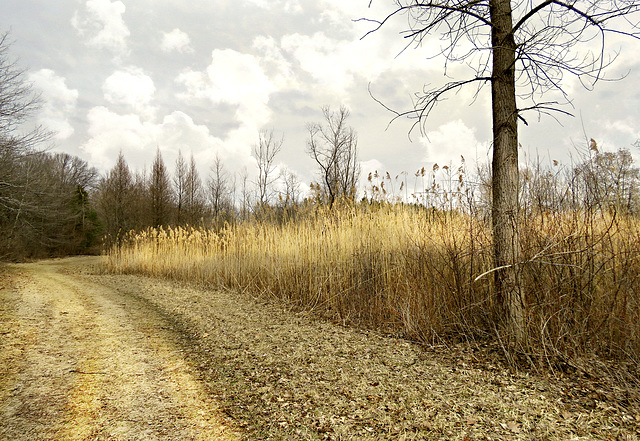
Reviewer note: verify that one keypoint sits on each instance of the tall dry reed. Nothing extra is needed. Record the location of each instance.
(407, 269)
(414, 271)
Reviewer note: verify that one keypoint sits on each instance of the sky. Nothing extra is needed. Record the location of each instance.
(204, 78)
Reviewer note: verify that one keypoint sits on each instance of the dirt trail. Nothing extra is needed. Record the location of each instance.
(79, 361)
(90, 356)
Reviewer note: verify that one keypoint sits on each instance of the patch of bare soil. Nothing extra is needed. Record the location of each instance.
(79, 361)
(130, 357)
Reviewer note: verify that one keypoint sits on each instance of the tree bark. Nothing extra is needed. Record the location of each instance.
(509, 298)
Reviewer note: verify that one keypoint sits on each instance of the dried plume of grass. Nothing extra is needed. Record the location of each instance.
(407, 270)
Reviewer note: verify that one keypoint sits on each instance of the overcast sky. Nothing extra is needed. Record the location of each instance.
(205, 77)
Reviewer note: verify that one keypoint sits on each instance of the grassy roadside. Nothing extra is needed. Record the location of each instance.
(283, 374)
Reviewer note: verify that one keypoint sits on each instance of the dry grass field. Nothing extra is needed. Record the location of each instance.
(424, 274)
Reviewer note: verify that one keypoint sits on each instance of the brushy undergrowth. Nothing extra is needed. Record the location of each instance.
(418, 272)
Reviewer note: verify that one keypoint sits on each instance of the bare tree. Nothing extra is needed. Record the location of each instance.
(180, 186)
(542, 188)
(44, 197)
(607, 181)
(265, 152)
(139, 197)
(44, 211)
(245, 194)
(334, 147)
(233, 192)
(194, 203)
(219, 191)
(523, 50)
(20, 163)
(161, 194)
(17, 104)
(114, 200)
(291, 194)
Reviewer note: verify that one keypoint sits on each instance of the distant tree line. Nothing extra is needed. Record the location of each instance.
(44, 204)
(602, 181)
(54, 203)
(128, 200)
(44, 197)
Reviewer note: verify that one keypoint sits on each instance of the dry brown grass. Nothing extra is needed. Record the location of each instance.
(582, 281)
(285, 375)
(414, 272)
(398, 268)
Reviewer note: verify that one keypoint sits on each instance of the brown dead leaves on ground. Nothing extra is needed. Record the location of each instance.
(284, 375)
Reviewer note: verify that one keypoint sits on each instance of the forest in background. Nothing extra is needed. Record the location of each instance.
(57, 204)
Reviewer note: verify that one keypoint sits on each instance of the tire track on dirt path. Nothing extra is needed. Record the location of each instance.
(79, 361)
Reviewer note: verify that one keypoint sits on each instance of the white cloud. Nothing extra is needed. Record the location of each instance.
(339, 66)
(102, 22)
(180, 132)
(370, 166)
(628, 126)
(264, 4)
(450, 141)
(287, 6)
(58, 102)
(354, 9)
(176, 40)
(320, 56)
(275, 64)
(111, 133)
(132, 88)
(232, 77)
(237, 79)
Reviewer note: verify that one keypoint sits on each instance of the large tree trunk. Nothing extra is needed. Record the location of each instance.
(509, 300)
